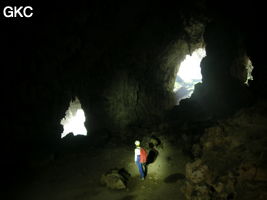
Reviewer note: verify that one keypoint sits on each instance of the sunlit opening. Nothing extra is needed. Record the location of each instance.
(188, 75)
(74, 119)
(249, 68)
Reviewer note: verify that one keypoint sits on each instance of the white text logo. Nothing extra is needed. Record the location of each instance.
(21, 11)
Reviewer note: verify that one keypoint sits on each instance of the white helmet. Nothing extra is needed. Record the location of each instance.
(137, 142)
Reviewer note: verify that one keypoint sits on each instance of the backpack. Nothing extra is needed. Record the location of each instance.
(143, 155)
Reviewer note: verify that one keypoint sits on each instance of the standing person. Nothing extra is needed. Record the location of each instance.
(140, 158)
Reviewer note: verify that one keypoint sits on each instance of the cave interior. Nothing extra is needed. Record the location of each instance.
(120, 60)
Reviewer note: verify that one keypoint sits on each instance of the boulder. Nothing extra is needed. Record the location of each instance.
(230, 159)
(197, 172)
(115, 179)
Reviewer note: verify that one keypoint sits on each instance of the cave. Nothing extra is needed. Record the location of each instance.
(189, 74)
(73, 122)
(119, 67)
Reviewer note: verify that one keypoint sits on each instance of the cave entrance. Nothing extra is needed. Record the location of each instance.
(189, 74)
(74, 119)
(249, 69)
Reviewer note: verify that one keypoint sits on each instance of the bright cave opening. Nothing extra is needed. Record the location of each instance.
(188, 75)
(249, 69)
(74, 119)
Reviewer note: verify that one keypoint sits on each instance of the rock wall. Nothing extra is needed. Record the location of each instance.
(230, 163)
(223, 89)
(120, 60)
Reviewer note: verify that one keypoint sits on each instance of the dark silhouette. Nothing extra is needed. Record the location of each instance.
(152, 154)
(155, 138)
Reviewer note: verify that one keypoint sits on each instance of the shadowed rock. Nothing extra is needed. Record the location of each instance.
(174, 178)
(115, 179)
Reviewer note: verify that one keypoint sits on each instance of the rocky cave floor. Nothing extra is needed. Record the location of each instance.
(228, 161)
(78, 175)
